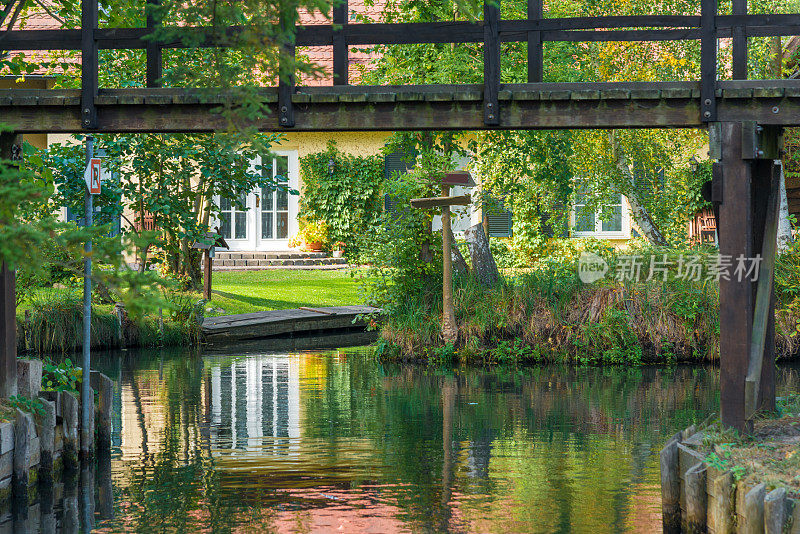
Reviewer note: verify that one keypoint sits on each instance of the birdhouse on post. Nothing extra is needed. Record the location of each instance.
(461, 178)
(208, 245)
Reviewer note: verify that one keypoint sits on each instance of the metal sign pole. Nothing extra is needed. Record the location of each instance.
(87, 402)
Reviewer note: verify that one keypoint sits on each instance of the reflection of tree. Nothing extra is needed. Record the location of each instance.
(558, 448)
(583, 422)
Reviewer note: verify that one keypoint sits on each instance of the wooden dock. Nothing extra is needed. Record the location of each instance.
(266, 324)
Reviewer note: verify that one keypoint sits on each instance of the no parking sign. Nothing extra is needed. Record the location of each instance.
(92, 175)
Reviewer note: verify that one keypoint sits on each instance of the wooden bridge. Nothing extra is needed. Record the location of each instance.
(744, 119)
(442, 107)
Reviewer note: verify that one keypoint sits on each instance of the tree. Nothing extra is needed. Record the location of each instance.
(537, 172)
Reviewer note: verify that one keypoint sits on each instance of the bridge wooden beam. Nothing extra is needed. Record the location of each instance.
(380, 109)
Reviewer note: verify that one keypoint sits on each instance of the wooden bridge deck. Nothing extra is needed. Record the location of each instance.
(265, 324)
(392, 108)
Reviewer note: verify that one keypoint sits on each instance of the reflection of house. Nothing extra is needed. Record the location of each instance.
(254, 399)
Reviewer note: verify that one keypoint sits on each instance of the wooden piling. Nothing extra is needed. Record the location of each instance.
(721, 503)
(69, 415)
(775, 511)
(46, 430)
(696, 498)
(670, 488)
(105, 388)
(754, 510)
(23, 427)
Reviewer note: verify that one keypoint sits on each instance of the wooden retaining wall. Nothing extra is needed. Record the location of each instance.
(37, 449)
(698, 497)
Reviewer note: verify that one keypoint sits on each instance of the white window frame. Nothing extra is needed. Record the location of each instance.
(598, 232)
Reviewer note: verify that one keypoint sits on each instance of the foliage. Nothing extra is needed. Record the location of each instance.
(545, 313)
(61, 376)
(720, 459)
(344, 191)
(315, 231)
(33, 405)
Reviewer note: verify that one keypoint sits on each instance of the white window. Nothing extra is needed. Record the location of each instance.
(612, 221)
(275, 199)
(233, 218)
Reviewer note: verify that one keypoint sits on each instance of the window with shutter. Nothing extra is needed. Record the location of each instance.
(397, 162)
(500, 221)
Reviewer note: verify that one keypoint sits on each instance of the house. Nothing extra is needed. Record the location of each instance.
(265, 219)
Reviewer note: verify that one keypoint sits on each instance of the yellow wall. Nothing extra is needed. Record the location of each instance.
(355, 143)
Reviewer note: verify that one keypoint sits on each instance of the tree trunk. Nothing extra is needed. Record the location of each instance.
(459, 264)
(483, 264)
(784, 226)
(638, 211)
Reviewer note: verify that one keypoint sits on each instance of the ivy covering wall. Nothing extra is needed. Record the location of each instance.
(344, 191)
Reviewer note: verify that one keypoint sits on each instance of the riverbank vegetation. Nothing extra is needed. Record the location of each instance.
(545, 313)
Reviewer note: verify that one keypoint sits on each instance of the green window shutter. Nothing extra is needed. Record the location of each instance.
(500, 222)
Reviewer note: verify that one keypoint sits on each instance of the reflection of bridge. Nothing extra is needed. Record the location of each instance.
(253, 399)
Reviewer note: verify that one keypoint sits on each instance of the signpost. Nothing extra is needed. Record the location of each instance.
(208, 246)
(92, 175)
(449, 328)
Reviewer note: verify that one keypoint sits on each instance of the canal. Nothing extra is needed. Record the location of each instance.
(335, 441)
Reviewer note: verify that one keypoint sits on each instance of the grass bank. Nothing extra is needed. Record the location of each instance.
(51, 320)
(547, 314)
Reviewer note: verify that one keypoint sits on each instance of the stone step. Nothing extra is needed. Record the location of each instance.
(278, 255)
(255, 263)
(335, 267)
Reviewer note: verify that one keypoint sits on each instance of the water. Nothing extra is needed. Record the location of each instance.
(334, 441)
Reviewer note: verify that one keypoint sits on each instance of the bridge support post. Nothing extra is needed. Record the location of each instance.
(745, 188)
(8, 305)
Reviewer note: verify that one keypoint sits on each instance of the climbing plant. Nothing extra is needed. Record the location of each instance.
(343, 190)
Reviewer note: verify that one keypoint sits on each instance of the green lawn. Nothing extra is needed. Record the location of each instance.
(249, 291)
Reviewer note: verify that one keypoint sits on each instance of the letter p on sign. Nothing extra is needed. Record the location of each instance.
(92, 176)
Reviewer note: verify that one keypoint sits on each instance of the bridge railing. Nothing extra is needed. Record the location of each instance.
(708, 28)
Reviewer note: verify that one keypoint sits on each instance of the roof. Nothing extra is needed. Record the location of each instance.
(320, 55)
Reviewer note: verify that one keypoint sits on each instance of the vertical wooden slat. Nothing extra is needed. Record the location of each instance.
(8, 333)
(708, 60)
(535, 47)
(735, 298)
(766, 176)
(340, 56)
(89, 60)
(153, 50)
(491, 62)
(286, 69)
(739, 43)
(8, 306)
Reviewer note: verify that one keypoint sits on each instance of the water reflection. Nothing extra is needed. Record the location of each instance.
(65, 505)
(336, 441)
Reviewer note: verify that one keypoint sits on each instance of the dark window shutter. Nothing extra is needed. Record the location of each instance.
(397, 163)
(500, 222)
